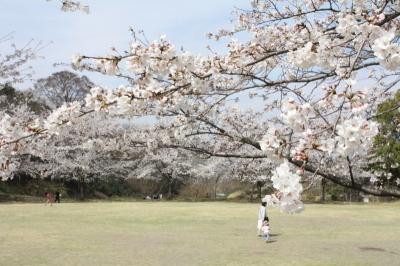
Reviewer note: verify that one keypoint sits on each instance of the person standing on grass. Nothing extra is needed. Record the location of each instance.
(49, 198)
(58, 197)
(262, 213)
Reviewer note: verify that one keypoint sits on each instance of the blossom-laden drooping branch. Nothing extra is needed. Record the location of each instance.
(14, 60)
(72, 6)
(314, 73)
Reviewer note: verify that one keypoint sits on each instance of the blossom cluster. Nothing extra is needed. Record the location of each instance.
(66, 114)
(288, 183)
(354, 135)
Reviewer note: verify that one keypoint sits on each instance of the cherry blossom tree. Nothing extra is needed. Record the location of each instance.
(171, 167)
(314, 72)
(19, 120)
(256, 171)
(87, 151)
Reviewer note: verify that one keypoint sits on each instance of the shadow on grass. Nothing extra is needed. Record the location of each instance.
(376, 249)
(274, 234)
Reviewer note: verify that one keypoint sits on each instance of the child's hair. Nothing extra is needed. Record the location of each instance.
(266, 219)
(263, 203)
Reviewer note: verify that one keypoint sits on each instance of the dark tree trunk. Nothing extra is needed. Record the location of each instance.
(252, 193)
(323, 185)
(216, 187)
(81, 189)
(259, 186)
(348, 195)
(169, 195)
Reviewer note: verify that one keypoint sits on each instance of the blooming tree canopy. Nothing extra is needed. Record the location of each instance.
(313, 72)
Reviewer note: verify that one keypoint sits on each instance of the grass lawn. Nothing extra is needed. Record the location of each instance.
(178, 233)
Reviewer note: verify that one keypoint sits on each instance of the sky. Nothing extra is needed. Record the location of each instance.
(63, 34)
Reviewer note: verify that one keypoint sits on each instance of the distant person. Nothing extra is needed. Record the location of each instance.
(58, 197)
(160, 197)
(265, 229)
(262, 213)
(49, 198)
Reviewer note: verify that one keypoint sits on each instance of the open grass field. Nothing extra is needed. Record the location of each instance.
(177, 233)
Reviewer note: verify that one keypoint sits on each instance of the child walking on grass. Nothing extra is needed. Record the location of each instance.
(265, 229)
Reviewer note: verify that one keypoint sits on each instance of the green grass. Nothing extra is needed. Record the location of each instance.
(179, 233)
